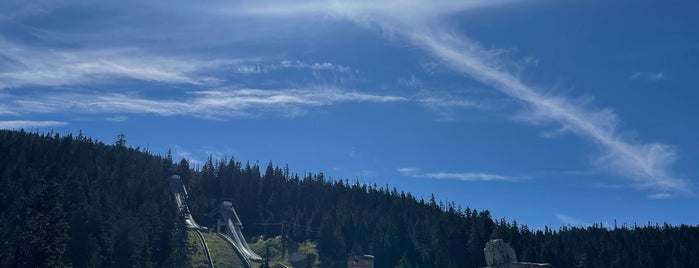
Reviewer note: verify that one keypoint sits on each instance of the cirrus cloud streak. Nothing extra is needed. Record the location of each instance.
(645, 165)
(26, 124)
(461, 176)
(213, 104)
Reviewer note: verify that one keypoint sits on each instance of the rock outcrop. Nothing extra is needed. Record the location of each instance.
(498, 252)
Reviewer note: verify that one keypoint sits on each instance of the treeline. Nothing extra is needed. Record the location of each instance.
(404, 231)
(598, 246)
(342, 217)
(74, 202)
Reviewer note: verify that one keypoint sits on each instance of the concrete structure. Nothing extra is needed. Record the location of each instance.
(179, 192)
(521, 265)
(360, 261)
(230, 226)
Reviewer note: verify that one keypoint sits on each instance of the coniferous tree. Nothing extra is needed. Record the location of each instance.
(110, 206)
(61, 199)
(41, 238)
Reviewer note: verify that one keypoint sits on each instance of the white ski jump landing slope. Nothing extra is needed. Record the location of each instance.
(233, 226)
(180, 193)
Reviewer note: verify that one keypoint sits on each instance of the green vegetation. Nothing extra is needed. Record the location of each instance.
(196, 251)
(72, 201)
(222, 254)
(273, 246)
(279, 251)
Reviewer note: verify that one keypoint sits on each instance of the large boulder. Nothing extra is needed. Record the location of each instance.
(498, 252)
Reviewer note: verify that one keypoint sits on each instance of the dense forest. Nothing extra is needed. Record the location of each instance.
(402, 230)
(72, 201)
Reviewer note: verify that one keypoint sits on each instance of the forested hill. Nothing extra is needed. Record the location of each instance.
(77, 202)
(401, 230)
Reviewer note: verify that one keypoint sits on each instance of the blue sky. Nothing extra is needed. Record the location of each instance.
(544, 112)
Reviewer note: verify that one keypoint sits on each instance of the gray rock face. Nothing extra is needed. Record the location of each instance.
(498, 252)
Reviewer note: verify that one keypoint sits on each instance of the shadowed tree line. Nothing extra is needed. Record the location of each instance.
(73, 201)
(402, 230)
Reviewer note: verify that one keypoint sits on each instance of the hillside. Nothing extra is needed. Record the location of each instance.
(77, 202)
(74, 201)
(405, 231)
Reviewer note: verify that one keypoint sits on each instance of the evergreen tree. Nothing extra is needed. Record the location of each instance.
(41, 236)
(78, 202)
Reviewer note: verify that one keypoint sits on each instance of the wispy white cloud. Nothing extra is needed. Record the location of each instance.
(401, 9)
(12, 9)
(200, 154)
(5, 109)
(118, 118)
(462, 176)
(22, 66)
(437, 102)
(287, 64)
(412, 82)
(318, 66)
(569, 220)
(660, 196)
(645, 163)
(20, 124)
(26, 66)
(448, 107)
(179, 153)
(216, 103)
(250, 69)
(290, 102)
(421, 23)
(652, 77)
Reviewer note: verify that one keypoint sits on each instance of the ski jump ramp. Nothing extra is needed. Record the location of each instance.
(233, 231)
(180, 193)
